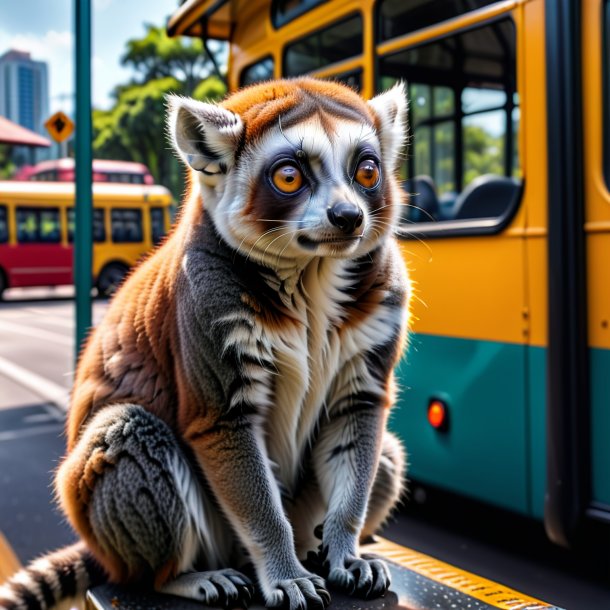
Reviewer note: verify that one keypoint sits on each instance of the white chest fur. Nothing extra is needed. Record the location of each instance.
(310, 356)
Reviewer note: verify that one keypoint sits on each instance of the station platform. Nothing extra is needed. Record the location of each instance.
(419, 582)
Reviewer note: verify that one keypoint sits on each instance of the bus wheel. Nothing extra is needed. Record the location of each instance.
(110, 278)
(3, 283)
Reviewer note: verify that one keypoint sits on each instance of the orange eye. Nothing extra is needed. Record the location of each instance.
(367, 173)
(287, 178)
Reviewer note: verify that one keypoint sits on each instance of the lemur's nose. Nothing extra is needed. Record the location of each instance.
(345, 216)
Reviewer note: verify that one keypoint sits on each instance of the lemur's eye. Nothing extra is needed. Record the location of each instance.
(287, 178)
(367, 173)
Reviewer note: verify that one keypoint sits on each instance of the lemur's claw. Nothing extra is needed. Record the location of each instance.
(220, 588)
(382, 578)
(307, 593)
(366, 578)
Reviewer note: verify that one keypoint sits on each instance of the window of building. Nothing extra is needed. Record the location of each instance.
(157, 224)
(25, 77)
(3, 224)
(99, 229)
(38, 225)
(126, 225)
(257, 72)
(397, 17)
(339, 42)
(284, 11)
(464, 117)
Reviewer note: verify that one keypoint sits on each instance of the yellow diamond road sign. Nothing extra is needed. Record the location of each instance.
(60, 127)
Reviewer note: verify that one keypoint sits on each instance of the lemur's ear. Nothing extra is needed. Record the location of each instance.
(390, 108)
(204, 135)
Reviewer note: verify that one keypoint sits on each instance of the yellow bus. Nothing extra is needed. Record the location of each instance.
(508, 234)
(37, 231)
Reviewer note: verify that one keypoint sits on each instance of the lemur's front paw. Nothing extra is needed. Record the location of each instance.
(305, 593)
(366, 577)
(225, 588)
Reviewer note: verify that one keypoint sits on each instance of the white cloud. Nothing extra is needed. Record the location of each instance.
(56, 49)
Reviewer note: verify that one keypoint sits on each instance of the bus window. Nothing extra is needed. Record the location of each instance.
(397, 17)
(126, 225)
(99, 229)
(257, 72)
(283, 11)
(352, 79)
(157, 224)
(3, 225)
(464, 119)
(328, 46)
(38, 225)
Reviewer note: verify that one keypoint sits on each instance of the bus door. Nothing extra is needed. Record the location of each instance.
(596, 113)
(41, 257)
(463, 235)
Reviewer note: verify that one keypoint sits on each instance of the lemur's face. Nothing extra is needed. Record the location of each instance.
(311, 176)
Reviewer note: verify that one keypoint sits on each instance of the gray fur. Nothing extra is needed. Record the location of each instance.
(286, 348)
(135, 510)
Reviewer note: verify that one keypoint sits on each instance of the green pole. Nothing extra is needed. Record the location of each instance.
(83, 257)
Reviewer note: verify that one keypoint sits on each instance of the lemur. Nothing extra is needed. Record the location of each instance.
(231, 407)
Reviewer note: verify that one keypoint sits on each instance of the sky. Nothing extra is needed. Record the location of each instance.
(45, 28)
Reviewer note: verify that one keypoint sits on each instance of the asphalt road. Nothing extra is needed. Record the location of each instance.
(36, 364)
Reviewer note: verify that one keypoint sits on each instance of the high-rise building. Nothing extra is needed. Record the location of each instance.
(24, 90)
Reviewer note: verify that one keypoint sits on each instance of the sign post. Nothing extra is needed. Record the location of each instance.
(83, 257)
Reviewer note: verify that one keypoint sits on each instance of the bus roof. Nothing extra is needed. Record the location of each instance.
(207, 18)
(99, 165)
(101, 189)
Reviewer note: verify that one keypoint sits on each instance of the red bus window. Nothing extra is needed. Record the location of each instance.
(3, 225)
(38, 225)
(99, 229)
(126, 225)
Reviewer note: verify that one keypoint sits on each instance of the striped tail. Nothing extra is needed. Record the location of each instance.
(47, 581)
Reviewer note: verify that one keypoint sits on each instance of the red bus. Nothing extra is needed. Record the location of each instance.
(37, 231)
(62, 170)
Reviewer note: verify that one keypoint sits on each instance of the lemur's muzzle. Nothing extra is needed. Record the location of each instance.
(345, 216)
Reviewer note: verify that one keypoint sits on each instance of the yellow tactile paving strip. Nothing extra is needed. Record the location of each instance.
(492, 593)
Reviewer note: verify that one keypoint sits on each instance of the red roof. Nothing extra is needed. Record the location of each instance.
(11, 133)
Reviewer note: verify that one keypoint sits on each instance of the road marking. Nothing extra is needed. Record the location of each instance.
(51, 319)
(45, 388)
(13, 314)
(36, 333)
(12, 435)
(38, 418)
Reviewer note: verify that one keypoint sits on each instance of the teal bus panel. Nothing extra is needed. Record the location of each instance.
(536, 384)
(484, 453)
(600, 424)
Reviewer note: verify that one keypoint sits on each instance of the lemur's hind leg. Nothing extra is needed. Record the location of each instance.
(308, 510)
(388, 485)
(359, 469)
(131, 493)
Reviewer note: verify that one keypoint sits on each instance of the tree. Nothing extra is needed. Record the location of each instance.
(7, 167)
(134, 128)
(157, 55)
